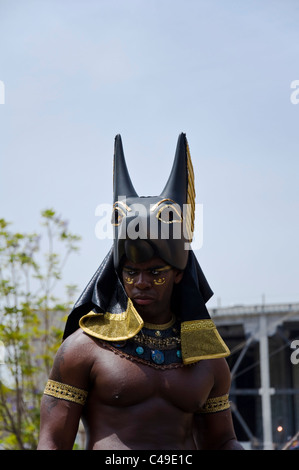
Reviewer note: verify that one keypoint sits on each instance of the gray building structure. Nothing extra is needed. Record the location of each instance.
(264, 362)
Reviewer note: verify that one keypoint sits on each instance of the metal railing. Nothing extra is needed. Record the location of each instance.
(256, 309)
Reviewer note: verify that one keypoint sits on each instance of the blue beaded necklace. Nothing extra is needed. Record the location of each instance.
(157, 345)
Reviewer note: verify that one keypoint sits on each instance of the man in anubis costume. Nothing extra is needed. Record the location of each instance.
(142, 363)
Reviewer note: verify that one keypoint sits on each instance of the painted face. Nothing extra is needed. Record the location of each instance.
(150, 285)
(155, 226)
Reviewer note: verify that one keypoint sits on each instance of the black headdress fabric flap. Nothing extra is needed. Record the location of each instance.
(103, 310)
(200, 338)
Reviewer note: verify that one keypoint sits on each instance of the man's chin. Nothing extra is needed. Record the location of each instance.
(142, 306)
(147, 309)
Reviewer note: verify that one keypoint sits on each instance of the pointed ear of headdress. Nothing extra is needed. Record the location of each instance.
(122, 184)
(180, 185)
(176, 186)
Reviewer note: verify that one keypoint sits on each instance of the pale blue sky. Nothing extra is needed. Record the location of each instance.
(78, 72)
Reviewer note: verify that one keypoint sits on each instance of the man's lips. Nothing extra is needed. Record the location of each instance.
(140, 300)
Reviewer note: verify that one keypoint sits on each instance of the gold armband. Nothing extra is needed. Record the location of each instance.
(65, 392)
(212, 405)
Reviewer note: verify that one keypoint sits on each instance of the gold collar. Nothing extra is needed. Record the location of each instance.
(163, 326)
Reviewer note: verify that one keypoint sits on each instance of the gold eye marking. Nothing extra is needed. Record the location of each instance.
(121, 203)
(172, 210)
(154, 207)
(119, 213)
(117, 216)
(129, 274)
(159, 282)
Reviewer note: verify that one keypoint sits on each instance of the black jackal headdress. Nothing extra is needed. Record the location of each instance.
(145, 227)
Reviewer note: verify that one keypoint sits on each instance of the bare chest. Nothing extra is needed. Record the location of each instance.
(118, 381)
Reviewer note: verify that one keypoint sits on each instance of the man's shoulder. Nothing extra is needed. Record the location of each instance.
(78, 346)
(218, 366)
(214, 365)
(74, 360)
(219, 363)
(78, 338)
(221, 375)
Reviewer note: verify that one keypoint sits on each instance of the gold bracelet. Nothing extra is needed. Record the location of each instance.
(65, 392)
(212, 405)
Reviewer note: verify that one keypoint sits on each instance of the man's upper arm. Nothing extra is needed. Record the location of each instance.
(59, 424)
(65, 394)
(214, 426)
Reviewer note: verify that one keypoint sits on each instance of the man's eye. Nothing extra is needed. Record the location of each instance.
(129, 272)
(154, 272)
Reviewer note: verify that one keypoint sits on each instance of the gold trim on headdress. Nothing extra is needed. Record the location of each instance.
(200, 339)
(190, 216)
(113, 326)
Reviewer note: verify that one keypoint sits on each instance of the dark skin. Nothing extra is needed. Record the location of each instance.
(131, 405)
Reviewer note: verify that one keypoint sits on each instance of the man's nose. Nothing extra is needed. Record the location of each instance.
(143, 281)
